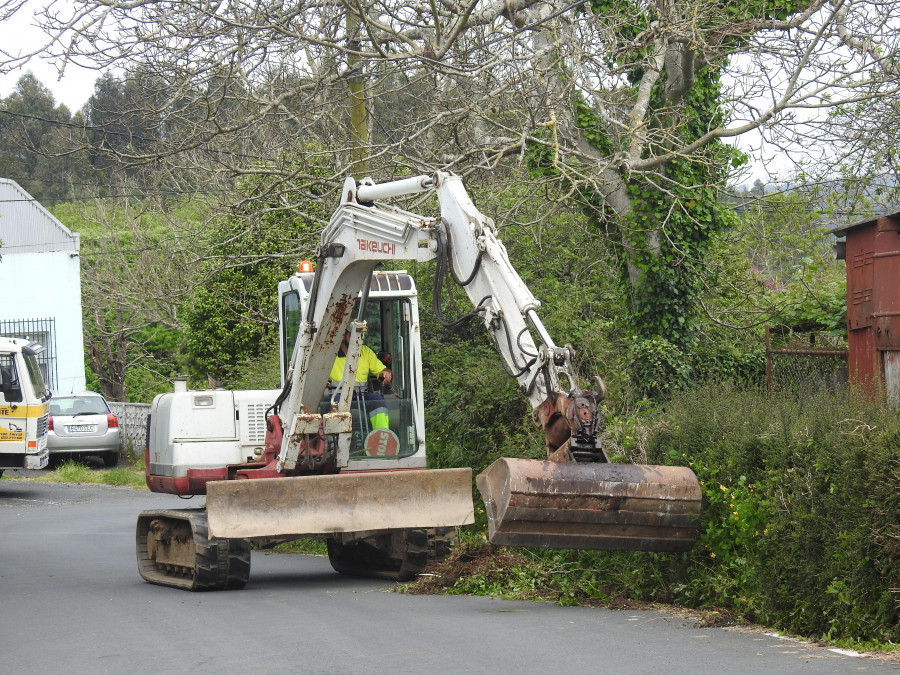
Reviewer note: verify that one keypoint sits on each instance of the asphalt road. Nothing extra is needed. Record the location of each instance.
(71, 600)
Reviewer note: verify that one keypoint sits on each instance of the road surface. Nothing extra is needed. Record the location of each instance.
(71, 600)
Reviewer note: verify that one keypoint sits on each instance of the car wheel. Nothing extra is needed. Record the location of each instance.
(111, 458)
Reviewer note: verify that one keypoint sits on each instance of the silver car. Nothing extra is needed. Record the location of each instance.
(81, 425)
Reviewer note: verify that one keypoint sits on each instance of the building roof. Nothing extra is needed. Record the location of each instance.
(27, 227)
(842, 231)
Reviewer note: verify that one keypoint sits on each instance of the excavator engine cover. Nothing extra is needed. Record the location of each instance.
(613, 507)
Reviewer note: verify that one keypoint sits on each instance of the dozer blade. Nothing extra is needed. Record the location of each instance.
(613, 507)
(347, 502)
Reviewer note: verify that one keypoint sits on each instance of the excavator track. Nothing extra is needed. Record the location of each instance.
(396, 556)
(174, 549)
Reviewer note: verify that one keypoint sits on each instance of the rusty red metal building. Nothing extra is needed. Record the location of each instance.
(871, 252)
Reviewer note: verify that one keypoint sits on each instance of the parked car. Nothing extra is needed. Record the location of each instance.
(81, 425)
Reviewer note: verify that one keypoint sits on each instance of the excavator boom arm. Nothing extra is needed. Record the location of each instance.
(362, 233)
(576, 498)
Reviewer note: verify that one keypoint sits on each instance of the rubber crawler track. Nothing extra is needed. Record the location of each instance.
(218, 564)
(398, 556)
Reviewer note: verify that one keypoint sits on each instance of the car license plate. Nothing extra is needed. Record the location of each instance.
(81, 428)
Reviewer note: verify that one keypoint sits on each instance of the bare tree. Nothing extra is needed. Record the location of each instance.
(226, 66)
(136, 271)
(627, 106)
(238, 81)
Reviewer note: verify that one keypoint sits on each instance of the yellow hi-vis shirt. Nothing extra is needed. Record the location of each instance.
(368, 363)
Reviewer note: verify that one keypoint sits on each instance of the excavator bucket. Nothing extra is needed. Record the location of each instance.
(613, 507)
(346, 502)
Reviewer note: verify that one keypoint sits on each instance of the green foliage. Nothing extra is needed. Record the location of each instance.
(71, 471)
(116, 121)
(814, 301)
(670, 229)
(778, 263)
(781, 233)
(233, 317)
(720, 359)
(74, 471)
(220, 334)
(134, 275)
(35, 143)
(517, 581)
(799, 528)
(494, 420)
(124, 476)
(261, 372)
(304, 546)
(675, 216)
(657, 366)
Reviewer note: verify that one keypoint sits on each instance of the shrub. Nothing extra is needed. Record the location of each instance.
(800, 527)
(801, 511)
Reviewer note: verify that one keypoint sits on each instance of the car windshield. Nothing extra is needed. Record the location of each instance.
(78, 405)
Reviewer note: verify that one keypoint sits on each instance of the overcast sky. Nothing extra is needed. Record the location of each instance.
(18, 35)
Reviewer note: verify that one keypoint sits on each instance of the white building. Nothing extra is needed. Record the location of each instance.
(40, 274)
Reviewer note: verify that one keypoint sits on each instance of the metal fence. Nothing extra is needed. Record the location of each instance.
(805, 362)
(132, 425)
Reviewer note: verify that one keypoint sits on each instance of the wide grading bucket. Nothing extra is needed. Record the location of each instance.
(614, 507)
(347, 502)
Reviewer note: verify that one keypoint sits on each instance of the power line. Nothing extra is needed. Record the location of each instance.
(117, 196)
(129, 135)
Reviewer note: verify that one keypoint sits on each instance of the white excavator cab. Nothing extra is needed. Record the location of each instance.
(392, 335)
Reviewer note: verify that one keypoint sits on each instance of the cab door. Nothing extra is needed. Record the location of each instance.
(13, 408)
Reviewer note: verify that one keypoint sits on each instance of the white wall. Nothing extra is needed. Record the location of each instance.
(48, 285)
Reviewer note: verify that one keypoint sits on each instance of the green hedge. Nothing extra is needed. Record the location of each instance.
(801, 517)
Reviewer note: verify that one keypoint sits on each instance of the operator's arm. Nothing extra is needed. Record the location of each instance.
(375, 366)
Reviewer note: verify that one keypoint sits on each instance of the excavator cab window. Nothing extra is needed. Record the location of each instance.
(291, 319)
(387, 321)
(388, 335)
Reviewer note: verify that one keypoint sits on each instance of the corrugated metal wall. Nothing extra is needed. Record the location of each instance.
(27, 227)
(872, 256)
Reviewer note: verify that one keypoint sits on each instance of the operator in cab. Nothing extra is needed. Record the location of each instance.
(368, 364)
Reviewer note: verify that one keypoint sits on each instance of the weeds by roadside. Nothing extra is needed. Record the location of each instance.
(304, 546)
(72, 471)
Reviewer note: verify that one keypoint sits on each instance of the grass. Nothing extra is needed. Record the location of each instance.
(125, 476)
(305, 546)
(72, 471)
